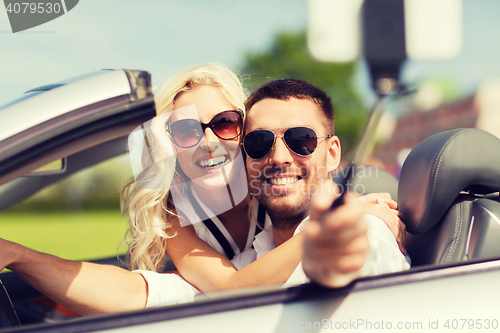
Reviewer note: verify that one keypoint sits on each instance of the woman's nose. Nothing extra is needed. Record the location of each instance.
(210, 141)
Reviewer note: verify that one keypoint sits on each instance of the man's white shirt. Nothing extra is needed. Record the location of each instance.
(384, 257)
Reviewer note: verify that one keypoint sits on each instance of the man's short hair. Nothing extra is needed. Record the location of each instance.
(285, 89)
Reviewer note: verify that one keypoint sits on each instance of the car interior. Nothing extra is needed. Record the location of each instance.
(448, 195)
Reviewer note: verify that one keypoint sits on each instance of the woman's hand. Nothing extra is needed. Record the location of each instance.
(385, 208)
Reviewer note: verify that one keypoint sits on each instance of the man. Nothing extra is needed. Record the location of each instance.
(291, 152)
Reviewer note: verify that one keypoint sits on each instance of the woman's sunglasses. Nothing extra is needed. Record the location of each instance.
(300, 140)
(187, 133)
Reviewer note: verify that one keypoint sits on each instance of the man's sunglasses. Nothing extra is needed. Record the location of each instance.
(300, 140)
(187, 133)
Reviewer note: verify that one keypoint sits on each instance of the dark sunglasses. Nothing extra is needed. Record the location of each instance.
(187, 133)
(300, 140)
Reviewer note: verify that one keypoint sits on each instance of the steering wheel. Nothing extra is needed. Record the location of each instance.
(8, 315)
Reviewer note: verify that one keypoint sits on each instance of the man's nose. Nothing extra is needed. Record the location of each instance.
(280, 154)
(210, 141)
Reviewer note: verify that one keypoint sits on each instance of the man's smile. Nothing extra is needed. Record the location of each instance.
(283, 180)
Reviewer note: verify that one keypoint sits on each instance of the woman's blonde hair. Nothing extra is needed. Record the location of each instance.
(148, 207)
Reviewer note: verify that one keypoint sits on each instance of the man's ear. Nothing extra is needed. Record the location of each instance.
(333, 154)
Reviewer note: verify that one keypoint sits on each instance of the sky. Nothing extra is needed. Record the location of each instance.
(167, 36)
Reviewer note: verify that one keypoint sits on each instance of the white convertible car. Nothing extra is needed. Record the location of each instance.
(447, 194)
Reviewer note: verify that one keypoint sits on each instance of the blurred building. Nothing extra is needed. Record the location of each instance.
(427, 116)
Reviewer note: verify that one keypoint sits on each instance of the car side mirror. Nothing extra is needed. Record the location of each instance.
(52, 168)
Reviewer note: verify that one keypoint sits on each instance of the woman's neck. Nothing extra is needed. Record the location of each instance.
(231, 210)
(218, 200)
(223, 197)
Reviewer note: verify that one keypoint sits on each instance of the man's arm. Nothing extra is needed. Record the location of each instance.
(384, 256)
(82, 287)
(336, 242)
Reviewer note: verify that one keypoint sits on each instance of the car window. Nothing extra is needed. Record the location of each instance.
(77, 218)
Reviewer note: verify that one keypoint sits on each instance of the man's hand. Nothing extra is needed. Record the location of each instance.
(335, 243)
(385, 208)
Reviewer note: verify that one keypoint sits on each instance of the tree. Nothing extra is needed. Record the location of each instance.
(288, 57)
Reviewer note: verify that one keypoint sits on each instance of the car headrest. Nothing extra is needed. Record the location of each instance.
(370, 179)
(439, 168)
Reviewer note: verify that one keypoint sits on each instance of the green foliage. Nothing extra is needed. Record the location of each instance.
(288, 57)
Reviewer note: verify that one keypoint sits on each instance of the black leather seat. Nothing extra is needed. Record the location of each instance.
(447, 195)
(369, 179)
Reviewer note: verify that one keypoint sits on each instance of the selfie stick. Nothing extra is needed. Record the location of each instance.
(384, 49)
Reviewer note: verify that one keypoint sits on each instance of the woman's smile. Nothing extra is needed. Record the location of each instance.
(213, 163)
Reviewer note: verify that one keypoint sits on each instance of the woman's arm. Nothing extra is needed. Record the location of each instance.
(208, 270)
(82, 287)
(385, 208)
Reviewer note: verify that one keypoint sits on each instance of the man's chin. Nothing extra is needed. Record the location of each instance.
(284, 207)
